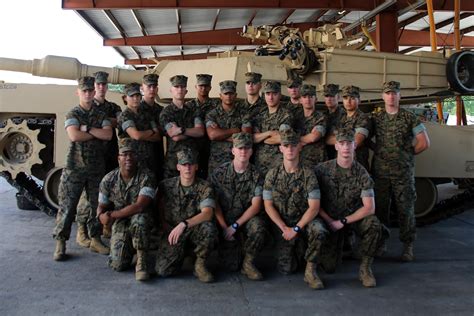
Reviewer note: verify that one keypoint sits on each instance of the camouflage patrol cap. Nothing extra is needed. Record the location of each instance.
(294, 82)
(186, 156)
(228, 86)
(271, 86)
(351, 91)
(253, 77)
(391, 86)
(288, 136)
(203, 79)
(345, 134)
(126, 144)
(179, 80)
(307, 89)
(150, 79)
(241, 140)
(132, 89)
(101, 77)
(331, 90)
(86, 83)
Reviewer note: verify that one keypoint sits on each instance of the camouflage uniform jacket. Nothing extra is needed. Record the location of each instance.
(155, 111)
(253, 110)
(334, 118)
(187, 117)
(290, 192)
(313, 153)
(296, 110)
(235, 191)
(361, 123)
(89, 154)
(342, 189)
(394, 135)
(142, 121)
(221, 151)
(266, 154)
(113, 190)
(181, 203)
(112, 110)
(205, 107)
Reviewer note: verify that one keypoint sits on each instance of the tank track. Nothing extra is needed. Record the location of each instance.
(28, 187)
(449, 207)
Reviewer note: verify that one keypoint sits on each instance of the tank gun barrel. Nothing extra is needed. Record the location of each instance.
(67, 68)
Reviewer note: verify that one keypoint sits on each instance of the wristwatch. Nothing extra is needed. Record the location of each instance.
(344, 221)
(185, 222)
(235, 225)
(297, 228)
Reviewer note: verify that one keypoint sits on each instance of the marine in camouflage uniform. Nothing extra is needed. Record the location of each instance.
(87, 128)
(293, 104)
(205, 104)
(312, 128)
(333, 112)
(186, 205)
(358, 121)
(125, 200)
(238, 186)
(347, 202)
(112, 112)
(226, 119)
(150, 92)
(291, 196)
(137, 122)
(182, 123)
(253, 103)
(266, 126)
(394, 163)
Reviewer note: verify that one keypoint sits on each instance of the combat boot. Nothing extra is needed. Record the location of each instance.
(107, 231)
(141, 271)
(98, 246)
(249, 269)
(81, 237)
(311, 277)
(365, 272)
(60, 251)
(407, 254)
(201, 272)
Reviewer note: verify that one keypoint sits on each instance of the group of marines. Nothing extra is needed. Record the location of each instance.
(307, 169)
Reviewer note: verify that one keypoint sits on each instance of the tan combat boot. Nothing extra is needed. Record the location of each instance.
(365, 272)
(60, 251)
(107, 231)
(407, 254)
(311, 277)
(98, 246)
(249, 269)
(141, 272)
(81, 237)
(201, 272)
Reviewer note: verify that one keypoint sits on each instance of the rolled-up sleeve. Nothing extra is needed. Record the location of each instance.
(362, 130)
(314, 195)
(128, 124)
(71, 122)
(267, 195)
(147, 191)
(367, 193)
(418, 129)
(207, 203)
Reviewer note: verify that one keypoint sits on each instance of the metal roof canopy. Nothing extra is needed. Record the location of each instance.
(141, 30)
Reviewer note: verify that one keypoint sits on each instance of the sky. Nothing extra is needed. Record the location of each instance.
(33, 29)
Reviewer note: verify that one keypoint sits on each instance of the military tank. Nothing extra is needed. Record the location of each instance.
(33, 141)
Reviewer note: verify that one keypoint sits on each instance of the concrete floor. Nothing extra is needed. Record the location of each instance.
(439, 282)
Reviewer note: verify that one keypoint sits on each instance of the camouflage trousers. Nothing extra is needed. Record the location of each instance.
(128, 235)
(72, 183)
(306, 245)
(402, 191)
(371, 232)
(170, 257)
(250, 238)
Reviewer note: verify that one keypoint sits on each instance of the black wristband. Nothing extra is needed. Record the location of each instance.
(235, 225)
(297, 228)
(185, 222)
(343, 221)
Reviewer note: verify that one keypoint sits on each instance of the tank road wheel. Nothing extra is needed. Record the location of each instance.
(51, 186)
(460, 72)
(19, 148)
(426, 196)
